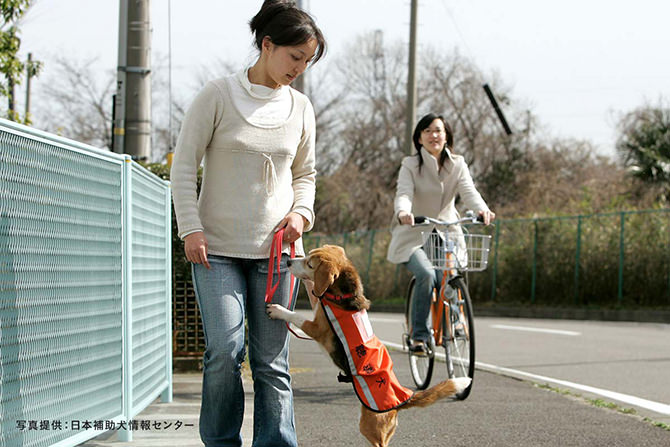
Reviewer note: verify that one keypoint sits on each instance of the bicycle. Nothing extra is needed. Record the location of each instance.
(450, 318)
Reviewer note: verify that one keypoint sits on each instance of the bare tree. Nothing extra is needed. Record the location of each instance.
(77, 103)
(369, 139)
(327, 96)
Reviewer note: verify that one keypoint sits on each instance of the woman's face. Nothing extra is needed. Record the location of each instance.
(286, 63)
(434, 137)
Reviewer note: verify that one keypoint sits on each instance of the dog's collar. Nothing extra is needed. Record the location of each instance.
(331, 297)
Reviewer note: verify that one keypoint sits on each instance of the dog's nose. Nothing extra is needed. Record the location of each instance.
(289, 262)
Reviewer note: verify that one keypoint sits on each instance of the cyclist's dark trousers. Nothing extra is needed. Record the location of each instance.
(426, 279)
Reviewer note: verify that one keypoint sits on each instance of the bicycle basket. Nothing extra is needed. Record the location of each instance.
(465, 252)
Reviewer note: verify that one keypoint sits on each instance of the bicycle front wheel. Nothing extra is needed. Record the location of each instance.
(420, 365)
(459, 342)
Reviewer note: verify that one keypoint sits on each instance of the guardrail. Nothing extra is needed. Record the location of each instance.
(85, 290)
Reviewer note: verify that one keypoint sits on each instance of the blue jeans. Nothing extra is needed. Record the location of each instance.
(232, 290)
(426, 279)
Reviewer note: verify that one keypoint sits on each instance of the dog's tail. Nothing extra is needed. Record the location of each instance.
(444, 389)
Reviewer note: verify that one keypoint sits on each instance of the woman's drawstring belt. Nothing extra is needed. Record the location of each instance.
(269, 175)
(269, 171)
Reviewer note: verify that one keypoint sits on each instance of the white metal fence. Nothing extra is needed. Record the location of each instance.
(85, 293)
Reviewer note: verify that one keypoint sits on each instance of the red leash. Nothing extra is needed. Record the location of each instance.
(270, 289)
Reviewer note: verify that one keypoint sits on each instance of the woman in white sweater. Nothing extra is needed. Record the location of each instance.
(256, 135)
(427, 186)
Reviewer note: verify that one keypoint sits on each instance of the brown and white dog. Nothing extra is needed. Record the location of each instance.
(333, 274)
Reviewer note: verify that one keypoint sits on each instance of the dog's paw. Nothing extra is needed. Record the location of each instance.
(461, 383)
(275, 311)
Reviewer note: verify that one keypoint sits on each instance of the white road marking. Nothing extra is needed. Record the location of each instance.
(620, 397)
(386, 320)
(535, 329)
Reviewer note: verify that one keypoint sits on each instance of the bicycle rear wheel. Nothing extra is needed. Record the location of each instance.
(420, 365)
(459, 343)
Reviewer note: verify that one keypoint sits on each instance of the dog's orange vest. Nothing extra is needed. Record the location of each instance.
(370, 363)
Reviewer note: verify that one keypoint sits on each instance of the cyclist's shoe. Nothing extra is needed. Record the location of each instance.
(419, 348)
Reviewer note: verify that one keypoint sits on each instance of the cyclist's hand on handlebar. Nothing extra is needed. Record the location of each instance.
(195, 248)
(405, 218)
(487, 216)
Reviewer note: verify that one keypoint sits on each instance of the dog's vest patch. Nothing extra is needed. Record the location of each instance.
(370, 363)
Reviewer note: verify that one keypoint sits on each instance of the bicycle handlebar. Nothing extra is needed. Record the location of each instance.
(469, 219)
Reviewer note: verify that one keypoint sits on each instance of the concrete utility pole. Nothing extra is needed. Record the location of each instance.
(132, 123)
(411, 79)
(119, 107)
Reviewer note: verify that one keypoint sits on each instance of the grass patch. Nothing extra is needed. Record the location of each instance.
(602, 404)
(657, 424)
(611, 405)
(556, 390)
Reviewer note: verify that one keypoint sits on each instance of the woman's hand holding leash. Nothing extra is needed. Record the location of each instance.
(195, 247)
(293, 225)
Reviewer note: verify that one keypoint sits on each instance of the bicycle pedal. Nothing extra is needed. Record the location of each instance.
(405, 342)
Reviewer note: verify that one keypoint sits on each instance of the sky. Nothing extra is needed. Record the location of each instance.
(576, 64)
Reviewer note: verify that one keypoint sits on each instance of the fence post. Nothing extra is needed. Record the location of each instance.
(495, 261)
(370, 253)
(621, 257)
(532, 286)
(166, 396)
(126, 435)
(578, 250)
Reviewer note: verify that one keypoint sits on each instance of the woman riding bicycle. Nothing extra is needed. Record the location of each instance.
(427, 186)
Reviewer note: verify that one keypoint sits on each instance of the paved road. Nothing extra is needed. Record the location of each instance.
(632, 359)
(501, 411)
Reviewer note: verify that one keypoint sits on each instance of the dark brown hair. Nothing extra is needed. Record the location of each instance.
(424, 123)
(286, 25)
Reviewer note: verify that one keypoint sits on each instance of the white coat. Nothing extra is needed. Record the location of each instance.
(431, 193)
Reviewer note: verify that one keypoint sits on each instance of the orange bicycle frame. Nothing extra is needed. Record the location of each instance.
(438, 302)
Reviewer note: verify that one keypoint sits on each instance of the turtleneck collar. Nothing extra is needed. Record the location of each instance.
(429, 158)
(256, 90)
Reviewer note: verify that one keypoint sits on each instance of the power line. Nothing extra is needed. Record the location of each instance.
(460, 34)
(487, 89)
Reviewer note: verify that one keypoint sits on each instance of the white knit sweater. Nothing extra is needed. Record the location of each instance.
(253, 174)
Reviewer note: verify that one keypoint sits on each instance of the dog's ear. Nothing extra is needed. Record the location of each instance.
(324, 276)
